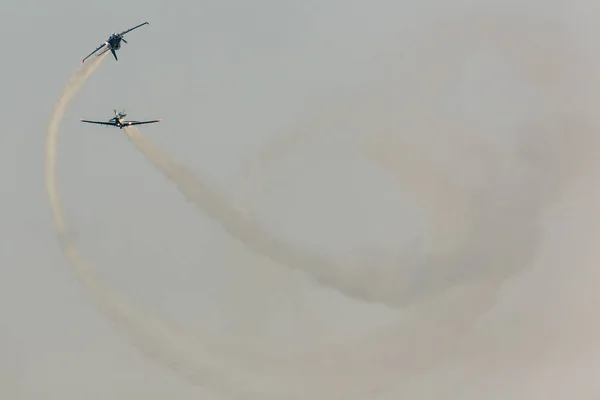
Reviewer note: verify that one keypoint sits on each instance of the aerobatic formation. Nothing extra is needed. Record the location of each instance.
(113, 43)
(490, 228)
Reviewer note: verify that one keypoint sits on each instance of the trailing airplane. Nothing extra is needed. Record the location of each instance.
(113, 43)
(117, 121)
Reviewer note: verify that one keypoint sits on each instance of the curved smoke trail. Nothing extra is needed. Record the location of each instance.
(228, 369)
(158, 339)
(498, 217)
(209, 199)
(551, 150)
(548, 168)
(488, 244)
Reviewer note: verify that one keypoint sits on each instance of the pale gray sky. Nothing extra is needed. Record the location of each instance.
(227, 78)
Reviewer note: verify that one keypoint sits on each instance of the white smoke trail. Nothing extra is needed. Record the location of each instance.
(503, 218)
(493, 240)
(496, 226)
(228, 369)
(209, 199)
(423, 337)
(162, 341)
(393, 283)
(333, 366)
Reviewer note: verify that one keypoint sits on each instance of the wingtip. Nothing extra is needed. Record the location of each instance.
(147, 23)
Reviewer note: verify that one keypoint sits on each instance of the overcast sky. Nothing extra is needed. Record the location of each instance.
(454, 136)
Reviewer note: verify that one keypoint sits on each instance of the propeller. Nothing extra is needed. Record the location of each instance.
(123, 39)
(118, 115)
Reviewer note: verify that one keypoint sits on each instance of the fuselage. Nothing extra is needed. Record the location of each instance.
(114, 41)
(118, 121)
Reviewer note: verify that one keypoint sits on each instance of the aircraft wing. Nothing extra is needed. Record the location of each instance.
(131, 123)
(98, 48)
(99, 122)
(135, 27)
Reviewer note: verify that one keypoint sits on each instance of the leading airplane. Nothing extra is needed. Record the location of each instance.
(113, 43)
(119, 122)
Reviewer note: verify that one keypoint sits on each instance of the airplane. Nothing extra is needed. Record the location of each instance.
(117, 121)
(113, 43)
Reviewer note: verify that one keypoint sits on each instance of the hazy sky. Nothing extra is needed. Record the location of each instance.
(482, 157)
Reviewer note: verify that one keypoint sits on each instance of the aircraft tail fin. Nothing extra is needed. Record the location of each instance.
(114, 53)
